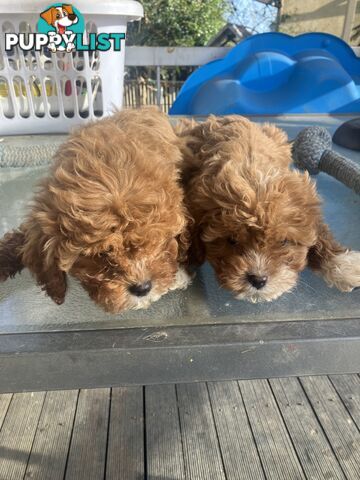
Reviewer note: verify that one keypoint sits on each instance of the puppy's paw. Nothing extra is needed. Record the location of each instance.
(70, 47)
(3, 277)
(343, 271)
(182, 279)
(58, 300)
(52, 47)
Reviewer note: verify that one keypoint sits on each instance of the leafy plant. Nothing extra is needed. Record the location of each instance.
(178, 22)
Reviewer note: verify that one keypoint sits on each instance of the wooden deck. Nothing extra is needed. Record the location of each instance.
(289, 428)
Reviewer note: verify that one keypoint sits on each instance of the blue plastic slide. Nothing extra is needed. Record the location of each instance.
(274, 73)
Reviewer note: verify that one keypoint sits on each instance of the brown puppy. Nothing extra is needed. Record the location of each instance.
(256, 221)
(110, 213)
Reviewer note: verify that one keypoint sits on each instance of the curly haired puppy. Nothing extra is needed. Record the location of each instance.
(256, 221)
(110, 213)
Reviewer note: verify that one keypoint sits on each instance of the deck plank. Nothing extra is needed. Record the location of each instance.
(5, 400)
(241, 459)
(277, 453)
(163, 438)
(87, 453)
(50, 448)
(202, 455)
(281, 429)
(348, 388)
(336, 422)
(17, 433)
(312, 447)
(125, 456)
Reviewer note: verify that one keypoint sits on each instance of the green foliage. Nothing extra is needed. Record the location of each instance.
(178, 22)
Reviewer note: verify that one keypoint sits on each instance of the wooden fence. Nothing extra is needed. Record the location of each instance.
(157, 91)
(145, 92)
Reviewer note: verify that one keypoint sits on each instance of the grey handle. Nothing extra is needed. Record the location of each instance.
(343, 169)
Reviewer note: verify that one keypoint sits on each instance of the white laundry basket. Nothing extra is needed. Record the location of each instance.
(42, 92)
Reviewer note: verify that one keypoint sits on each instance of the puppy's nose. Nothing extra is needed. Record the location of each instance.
(257, 281)
(72, 16)
(140, 289)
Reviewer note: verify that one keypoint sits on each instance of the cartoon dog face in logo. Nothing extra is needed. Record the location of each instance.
(60, 18)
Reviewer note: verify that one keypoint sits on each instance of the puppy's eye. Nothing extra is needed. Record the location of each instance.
(65, 13)
(58, 15)
(232, 241)
(106, 252)
(285, 242)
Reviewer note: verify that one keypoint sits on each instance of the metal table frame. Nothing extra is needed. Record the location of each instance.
(138, 356)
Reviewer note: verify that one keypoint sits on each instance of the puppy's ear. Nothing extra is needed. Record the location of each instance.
(325, 248)
(339, 266)
(40, 257)
(273, 132)
(48, 15)
(68, 8)
(10, 254)
(25, 248)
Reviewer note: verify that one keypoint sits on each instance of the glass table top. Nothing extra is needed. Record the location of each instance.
(24, 308)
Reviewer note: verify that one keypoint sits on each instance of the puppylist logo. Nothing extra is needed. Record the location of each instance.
(61, 28)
